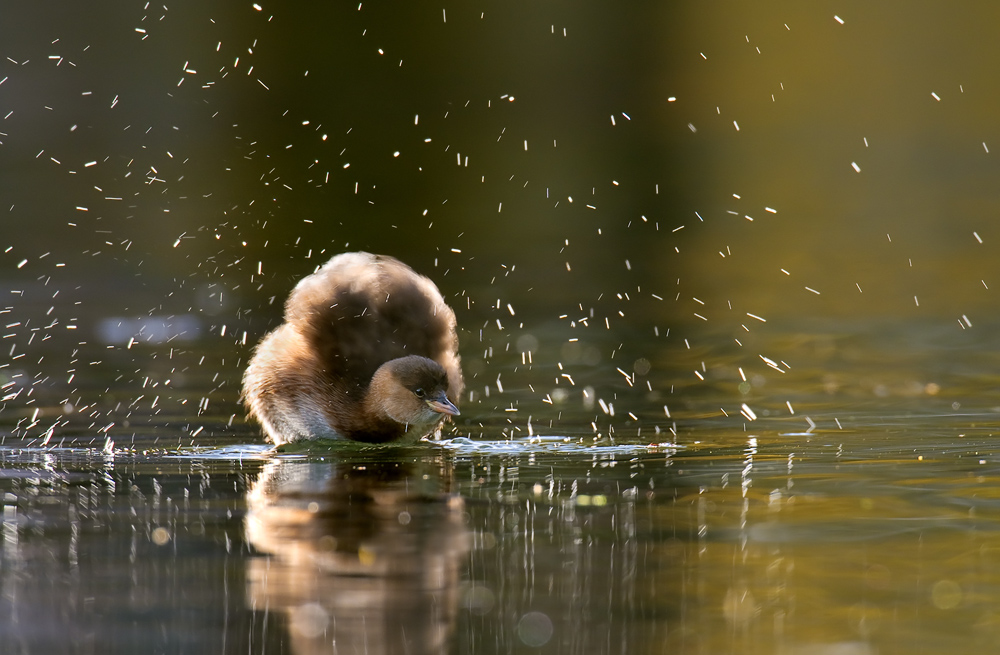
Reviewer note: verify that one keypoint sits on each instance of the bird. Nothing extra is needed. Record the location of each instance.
(368, 351)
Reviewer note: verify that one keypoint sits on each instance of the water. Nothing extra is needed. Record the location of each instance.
(870, 526)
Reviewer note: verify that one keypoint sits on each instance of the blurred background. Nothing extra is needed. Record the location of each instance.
(673, 174)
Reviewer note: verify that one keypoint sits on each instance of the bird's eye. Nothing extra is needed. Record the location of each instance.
(419, 392)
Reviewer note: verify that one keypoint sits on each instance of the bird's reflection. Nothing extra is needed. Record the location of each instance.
(361, 555)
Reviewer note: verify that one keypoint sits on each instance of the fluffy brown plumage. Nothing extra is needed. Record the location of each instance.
(368, 351)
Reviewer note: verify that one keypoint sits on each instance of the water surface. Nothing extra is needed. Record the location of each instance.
(866, 521)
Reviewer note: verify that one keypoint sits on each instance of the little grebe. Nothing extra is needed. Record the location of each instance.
(368, 351)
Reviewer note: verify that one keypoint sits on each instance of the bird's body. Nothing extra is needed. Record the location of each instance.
(368, 351)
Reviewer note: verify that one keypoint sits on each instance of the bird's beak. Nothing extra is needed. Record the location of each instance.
(442, 405)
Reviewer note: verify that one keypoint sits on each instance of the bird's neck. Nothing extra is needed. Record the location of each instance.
(376, 414)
